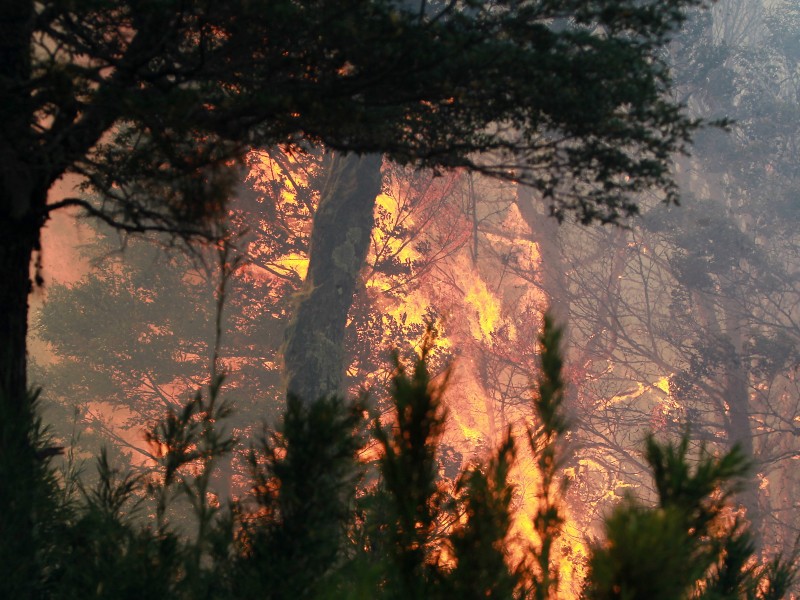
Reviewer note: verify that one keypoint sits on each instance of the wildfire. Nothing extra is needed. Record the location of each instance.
(424, 260)
(487, 308)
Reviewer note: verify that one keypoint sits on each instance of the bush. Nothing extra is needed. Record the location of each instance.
(321, 524)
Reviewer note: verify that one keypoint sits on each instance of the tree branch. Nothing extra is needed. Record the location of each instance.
(128, 227)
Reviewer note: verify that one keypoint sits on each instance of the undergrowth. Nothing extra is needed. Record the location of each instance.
(319, 523)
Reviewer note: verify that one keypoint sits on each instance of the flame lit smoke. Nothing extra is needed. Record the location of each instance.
(468, 254)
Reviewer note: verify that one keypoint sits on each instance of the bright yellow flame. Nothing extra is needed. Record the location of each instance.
(294, 262)
(662, 384)
(487, 306)
(386, 245)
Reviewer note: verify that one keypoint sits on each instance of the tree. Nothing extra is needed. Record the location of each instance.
(149, 103)
(136, 334)
(308, 529)
(138, 331)
(569, 160)
(686, 547)
(690, 314)
(703, 311)
(314, 354)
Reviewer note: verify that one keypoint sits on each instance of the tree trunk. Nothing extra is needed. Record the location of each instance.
(737, 395)
(313, 352)
(22, 487)
(544, 232)
(16, 249)
(21, 196)
(733, 401)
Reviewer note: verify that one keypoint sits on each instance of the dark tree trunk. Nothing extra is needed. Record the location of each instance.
(314, 353)
(18, 242)
(20, 198)
(733, 401)
(737, 395)
(22, 481)
(544, 232)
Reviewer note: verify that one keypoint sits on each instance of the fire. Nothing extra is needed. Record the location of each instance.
(425, 259)
(663, 384)
(480, 309)
(294, 262)
(487, 307)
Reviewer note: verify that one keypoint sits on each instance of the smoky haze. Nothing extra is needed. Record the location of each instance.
(687, 317)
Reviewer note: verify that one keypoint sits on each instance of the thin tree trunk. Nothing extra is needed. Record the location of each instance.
(544, 232)
(734, 398)
(313, 352)
(737, 395)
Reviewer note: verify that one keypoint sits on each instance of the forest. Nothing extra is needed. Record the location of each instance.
(400, 299)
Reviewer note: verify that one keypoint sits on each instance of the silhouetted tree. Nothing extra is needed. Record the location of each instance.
(149, 103)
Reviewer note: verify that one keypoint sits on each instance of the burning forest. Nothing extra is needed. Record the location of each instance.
(391, 299)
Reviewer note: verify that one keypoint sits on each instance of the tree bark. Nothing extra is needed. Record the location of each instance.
(736, 388)
(313, 352)
(16, 250)
(544, 232)
(21, 490)
(23, 195)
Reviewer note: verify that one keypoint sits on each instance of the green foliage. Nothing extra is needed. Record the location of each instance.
(480, 545)
(318, 524)
(189, 444)
(684, 547)
(409, 474)
(648, 554)
(192, 86)
(701, 493)
(423, 540)
(304, 480)
(546, 445)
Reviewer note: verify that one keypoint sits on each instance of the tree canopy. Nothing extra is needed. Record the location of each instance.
(185, 85)
(153, 103)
